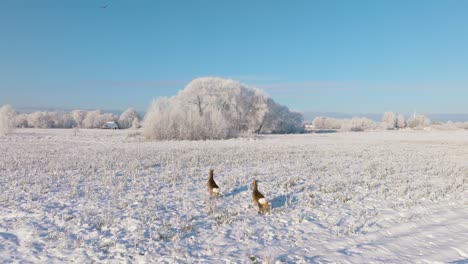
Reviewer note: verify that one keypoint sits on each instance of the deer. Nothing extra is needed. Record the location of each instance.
(213, 188)
(259, 200)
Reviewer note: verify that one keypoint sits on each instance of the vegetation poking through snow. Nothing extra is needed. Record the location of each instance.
(101, 196)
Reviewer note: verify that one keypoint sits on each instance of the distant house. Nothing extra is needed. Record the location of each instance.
(111, 125)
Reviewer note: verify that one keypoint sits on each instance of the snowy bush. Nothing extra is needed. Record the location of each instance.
(353, 124)
(449, 125)
(7, 119)
(215, 108)
(322, 122)
(359, 124)
(128, 117)
(418, 121)
(389, 120)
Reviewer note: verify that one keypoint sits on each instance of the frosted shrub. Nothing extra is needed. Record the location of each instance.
(418, 121)
(462, 125)
(353, 124)
(215, 108)
(321, 122)
(7, 119)
(359, 124)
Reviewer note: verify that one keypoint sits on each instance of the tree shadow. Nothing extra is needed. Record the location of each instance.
(236, 191)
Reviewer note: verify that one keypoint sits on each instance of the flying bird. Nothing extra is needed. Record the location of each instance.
(104, 6)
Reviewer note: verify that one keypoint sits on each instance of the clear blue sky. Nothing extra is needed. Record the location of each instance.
(328, 56)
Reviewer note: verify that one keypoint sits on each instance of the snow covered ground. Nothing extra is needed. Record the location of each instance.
(110, 196)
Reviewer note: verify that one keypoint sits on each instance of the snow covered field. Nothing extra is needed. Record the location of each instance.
(107, 196)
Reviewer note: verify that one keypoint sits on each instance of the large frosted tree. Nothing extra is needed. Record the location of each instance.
(216, 108)
(389, 120)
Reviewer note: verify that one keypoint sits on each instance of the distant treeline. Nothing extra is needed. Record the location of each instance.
(73, 119)
(389, 121)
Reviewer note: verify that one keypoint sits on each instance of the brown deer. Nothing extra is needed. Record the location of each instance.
(259, 199)
(213, 188)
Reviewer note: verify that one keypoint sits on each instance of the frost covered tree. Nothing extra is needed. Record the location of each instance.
(60, 119)
(400, 122)
(40, 120)
(21, 120)
(279, 119)
(136, 123)
(48, 120)
(126, 118)
(96, 119)
(7, 119)
(389, 120)
(215, 108)
(78, 116)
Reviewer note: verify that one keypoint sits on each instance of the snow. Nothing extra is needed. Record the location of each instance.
(111, 196)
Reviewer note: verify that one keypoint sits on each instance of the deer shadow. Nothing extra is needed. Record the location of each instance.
(460, 261)
(280, 201)
(236, 191)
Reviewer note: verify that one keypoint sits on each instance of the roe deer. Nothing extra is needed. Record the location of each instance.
(260, 200)
(212, 186)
